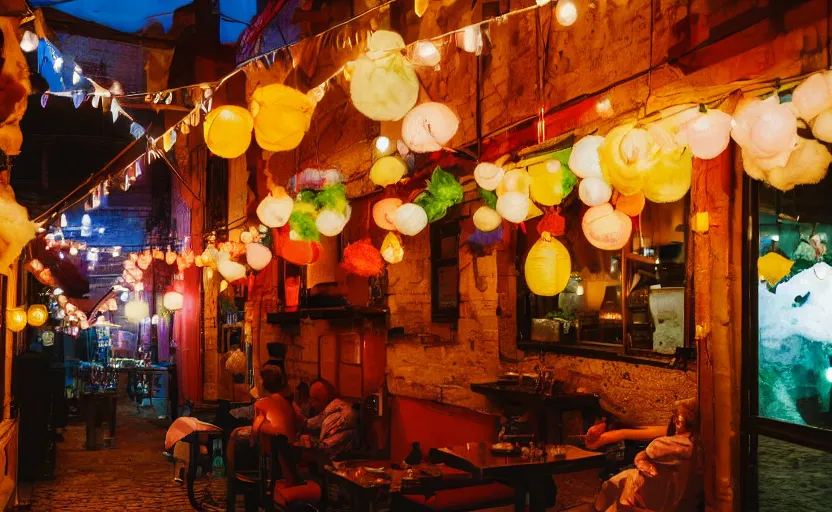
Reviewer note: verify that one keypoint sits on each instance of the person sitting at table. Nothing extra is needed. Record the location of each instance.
(667, 476)
(337, 421)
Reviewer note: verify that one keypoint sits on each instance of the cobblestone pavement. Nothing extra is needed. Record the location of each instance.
(131, 476)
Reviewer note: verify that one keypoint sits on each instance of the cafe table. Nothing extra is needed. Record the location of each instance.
(527, 476)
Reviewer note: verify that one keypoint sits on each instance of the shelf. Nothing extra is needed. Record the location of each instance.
(337, 313)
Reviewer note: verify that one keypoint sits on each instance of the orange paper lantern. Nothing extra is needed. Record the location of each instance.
(299, 252)
(605, 228)
(384, 212)
(630, 206)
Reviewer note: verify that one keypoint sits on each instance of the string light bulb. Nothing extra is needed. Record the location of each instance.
(29, 42)
(73, 251)
(64, 222)
(426, 54)
(566, 12)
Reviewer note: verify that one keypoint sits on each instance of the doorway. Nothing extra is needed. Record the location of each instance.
(786, 442)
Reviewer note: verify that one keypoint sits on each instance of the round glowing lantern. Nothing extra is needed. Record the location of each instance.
(388, 170)
(548, 266)
(515, 180)
(410, 219)
(765, 128)
(606, 228)
(670, 178)
(383, 85)
(282, 116)
(274, 210)
(594, 191)
(630, 206)
(488, 176)
(812, 97)
(230, 270)
(707, 134)
(551, 181)
(584, 160)
(173, 300)
(299, 252)
(513, 206)
(330, 222)
(822, 126)
(384, 213)
(136, 310)
(428, 127)
(487, 219)
(627, 155)
(16, 319)
(258, 256)
(391, 248)
(37, 315)
(227, 131)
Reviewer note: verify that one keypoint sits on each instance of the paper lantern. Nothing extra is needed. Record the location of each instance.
(487, 219)
(282, 116)
(258, 256)
(173, 300)
(298, 252)
(384, 213)
(669, 179)
(513, 206)
(170, 257)
(807, 164)
(425, 53)
(488, 176)
(631, 206)
(548, 266)
(551, 181)
(764, 128)
(410, 219)
(515, 180)
(822, 126)
(330, 222)
(428, 127)
(391, 248)
(584, 160)
(388, 170)
(362, 259)
(606, 228)
(812, 97)
(136, 310)
(594, 191)
(773, 267)
(37, 315)
(228, 269)
(274, 212)
(227, 131)
(16, 319)
(707, 134)
(383, 85)
(627, 154)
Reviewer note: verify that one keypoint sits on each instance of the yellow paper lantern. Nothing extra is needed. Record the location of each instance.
(391, 248)
(548, 266)
(669, 179)
(258, 256)
(546, 185)
(515, 180)
(383, 85)
(513, 206)
(384, 213)
(227, 131)
(773, 268)
(428, 127)
(487, 219)
(606, 228)
(388, 170)
(410, 219)
(37, 315)
(584, 160)
(16, 319)
(488, 176)
(173, 300)
(274, 210)
(282, 116)
(627, 155)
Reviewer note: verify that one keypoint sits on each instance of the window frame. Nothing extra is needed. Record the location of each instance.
(438, 232)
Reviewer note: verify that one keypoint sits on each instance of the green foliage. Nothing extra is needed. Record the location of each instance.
(489, 197)
(332, 197)
(303, 224)
(443, 191)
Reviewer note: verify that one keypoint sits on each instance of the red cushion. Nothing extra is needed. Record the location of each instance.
(471, 497)
(449, 473)
(309, 492)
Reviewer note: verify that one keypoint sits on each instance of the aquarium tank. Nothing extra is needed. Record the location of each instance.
(795, 305)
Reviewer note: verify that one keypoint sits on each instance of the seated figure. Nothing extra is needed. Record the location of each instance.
(336, 421)
(667, 476)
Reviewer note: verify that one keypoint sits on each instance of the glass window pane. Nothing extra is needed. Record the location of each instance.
(795, 305)
(792, 477)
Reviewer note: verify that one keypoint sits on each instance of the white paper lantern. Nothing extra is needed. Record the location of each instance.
(594, 191)
(274, 212)
(584, 160)
(230, 270)
(488, 176)
(487, 219)
(330, 222)
(136, 310)
(173, 300)
(822, 126)
(258, 256)
(606, 228)
(426, 54)
(410, 219)
(428, 127)
(29, 42)
(812, 97)
(764, 128)
(513, 206)
(707, 134)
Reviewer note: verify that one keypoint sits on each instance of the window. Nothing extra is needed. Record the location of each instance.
(631, 301)
(444, 266)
